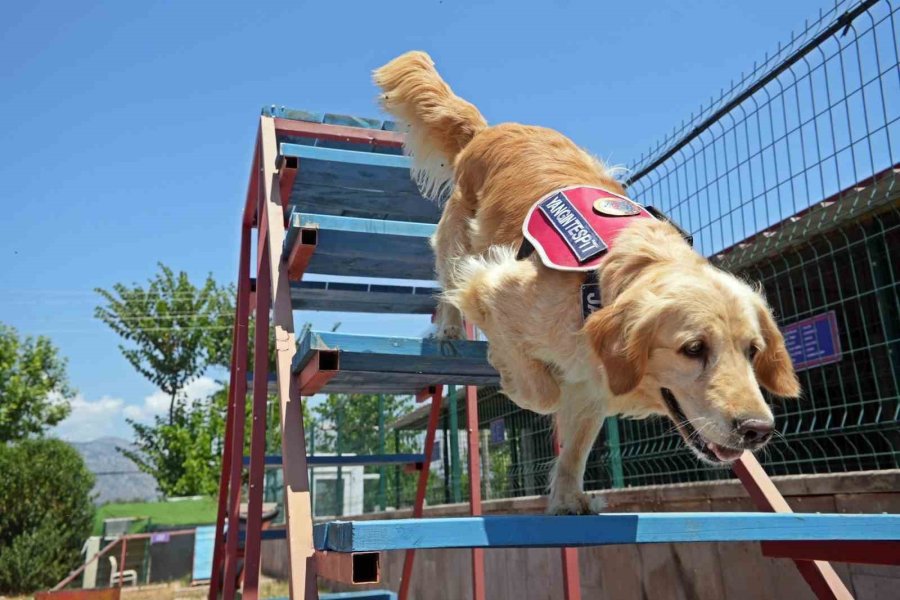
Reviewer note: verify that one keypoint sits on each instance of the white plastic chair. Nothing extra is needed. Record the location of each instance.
(128, 576)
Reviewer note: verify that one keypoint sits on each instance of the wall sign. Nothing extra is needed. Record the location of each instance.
(813, 341)
(498, 431)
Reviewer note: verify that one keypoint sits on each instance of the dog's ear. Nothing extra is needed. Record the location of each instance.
(773, 366)
(620, 336)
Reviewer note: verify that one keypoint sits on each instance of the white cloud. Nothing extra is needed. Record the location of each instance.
(92, 419)
(157, 403)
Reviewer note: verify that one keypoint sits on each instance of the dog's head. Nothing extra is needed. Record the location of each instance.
(685, 339)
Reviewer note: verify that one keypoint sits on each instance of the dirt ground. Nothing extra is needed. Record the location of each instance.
(268, 588)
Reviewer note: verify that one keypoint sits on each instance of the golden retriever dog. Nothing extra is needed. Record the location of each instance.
(674, 336)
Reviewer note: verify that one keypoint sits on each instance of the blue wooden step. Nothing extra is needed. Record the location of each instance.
(567, 531)
(357, 460)
(363, 297)
(363, 247)
(356, 183)
(381, 364)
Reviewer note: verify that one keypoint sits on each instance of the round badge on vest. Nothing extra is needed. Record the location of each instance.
(616, 207)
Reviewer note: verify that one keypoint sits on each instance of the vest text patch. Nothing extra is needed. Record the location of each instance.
(572, 226)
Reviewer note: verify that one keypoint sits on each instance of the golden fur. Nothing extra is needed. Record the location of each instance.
(661, 299)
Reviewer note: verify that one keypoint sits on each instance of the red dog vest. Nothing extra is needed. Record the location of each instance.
(572, 228)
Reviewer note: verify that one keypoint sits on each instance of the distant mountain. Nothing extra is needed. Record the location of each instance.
(118, 478)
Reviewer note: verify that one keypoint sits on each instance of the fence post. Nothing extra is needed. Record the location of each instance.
(615, 452)
(312, 470)
(339, 481)
(382, 472)
(455, 464)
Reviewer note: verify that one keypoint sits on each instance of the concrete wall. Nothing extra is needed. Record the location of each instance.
(656, 571)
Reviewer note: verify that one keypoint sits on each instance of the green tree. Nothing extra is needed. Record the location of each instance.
(45, 513)
(355, 416)
(184, 452)
(34, 391)
(174, 328)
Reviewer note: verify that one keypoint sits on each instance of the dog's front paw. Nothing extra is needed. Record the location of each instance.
(571, 503)
(449, 331)
(448, 324)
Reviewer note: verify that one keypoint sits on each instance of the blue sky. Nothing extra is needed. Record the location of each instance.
(127, 127)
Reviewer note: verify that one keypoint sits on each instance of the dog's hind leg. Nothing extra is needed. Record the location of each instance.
(578, 422)
(528, 382)
(450, 243)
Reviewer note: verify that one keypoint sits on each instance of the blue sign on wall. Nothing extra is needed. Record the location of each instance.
(498, 431)
(813, 341)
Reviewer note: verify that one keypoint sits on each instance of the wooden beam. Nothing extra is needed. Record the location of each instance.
(870, 553)
(819, 575)
(421, 487)
(297, 503)
(350, 157)
(544, 531)
(472, 433)
(354, 568)
(338, 133)
(362, 247)
(340, 296)
(389, 364)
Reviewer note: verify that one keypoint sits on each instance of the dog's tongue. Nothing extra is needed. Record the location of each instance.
(724, 454)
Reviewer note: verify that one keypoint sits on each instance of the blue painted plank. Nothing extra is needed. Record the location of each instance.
(382, 364)
(204, 538)
(364, 460)
(363, 297)
(394, 345)
(352, 157)
(596, 530)
(380, 227)
(353, 185)
(365, 247)
(360, 191)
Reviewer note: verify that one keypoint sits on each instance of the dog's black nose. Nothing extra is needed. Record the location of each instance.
(755, 432)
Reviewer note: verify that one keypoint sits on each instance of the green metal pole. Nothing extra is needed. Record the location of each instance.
(615, 452)
(312, 471)
(382, 472)
(340, 471)
(455, 463)
(397, 470)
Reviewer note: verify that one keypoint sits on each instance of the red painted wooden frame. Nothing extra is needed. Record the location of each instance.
(287, 174)
(870, 553)
(353, 568)
(820, 576)
(323, 365)
(474, 477)
(422, 486)
(571, 572)
(301, 253)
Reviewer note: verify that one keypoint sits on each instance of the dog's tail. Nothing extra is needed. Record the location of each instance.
(438, 123)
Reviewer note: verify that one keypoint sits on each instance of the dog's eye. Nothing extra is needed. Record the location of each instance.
(752, 351)
(694, 349)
